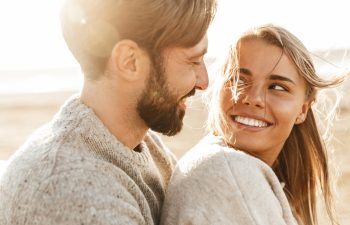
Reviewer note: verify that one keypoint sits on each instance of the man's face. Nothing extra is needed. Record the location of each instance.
(173, 77)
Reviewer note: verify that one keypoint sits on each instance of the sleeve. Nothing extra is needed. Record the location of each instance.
(209, 192)
(79, 197)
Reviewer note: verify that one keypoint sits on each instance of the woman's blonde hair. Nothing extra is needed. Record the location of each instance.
(303, 163)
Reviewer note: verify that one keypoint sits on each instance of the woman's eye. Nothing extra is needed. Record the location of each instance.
(241, 82)
(196, 63)
(277, 87)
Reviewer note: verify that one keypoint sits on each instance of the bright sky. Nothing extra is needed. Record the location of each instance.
(30, 35)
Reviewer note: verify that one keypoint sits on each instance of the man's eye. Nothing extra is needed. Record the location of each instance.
(197, 63)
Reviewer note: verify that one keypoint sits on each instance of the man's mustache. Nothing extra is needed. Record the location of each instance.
(191, 93)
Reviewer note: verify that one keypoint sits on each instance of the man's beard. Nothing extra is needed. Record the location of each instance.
(158, 107)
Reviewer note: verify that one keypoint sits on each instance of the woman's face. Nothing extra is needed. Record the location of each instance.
(272, 98)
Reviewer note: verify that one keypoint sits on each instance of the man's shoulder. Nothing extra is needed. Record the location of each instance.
(48, 156)
(82, 187)
(36, 173)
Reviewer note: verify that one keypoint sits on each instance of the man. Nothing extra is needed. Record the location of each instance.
(97, 162)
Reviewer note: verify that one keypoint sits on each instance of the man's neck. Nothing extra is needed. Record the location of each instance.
(117, 114)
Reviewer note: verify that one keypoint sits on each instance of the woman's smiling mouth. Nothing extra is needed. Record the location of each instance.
(250, 121)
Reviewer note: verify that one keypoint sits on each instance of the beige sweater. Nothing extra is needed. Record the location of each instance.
(73, 171)
(216, 185)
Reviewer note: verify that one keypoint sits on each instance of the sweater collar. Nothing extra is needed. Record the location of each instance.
(79, 117)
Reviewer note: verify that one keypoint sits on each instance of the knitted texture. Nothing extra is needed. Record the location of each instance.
(215, 185)
(74, 171)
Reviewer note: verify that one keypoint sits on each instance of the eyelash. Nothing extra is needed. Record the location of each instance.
(279, 85)
(242, 83)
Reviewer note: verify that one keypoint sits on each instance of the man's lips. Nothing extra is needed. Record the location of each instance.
(183, 99)
(191, 93)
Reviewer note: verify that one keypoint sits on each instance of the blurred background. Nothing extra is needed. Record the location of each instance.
(37, 72)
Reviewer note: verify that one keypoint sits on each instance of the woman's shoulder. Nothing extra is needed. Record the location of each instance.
(212, 153)
(211, 162)
(215, 179)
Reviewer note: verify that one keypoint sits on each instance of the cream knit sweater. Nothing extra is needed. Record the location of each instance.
(73, 171)
(216, 185)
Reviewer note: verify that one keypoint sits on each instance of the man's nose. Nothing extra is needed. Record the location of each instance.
(202, 79)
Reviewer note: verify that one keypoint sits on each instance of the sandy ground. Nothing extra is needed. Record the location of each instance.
(20, 115)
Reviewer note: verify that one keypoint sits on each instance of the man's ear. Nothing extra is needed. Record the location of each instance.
(304, 110)
(125, 56)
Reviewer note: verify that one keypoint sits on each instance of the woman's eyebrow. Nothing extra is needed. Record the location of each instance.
(271, 77)
(245, 71)
(280, 77)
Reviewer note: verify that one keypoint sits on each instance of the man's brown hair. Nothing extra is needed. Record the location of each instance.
(91, 28)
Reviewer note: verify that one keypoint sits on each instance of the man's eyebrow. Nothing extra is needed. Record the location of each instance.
(199, 54)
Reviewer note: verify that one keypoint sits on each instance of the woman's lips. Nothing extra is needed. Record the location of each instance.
(250, 122)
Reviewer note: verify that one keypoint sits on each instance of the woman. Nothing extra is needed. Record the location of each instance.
(264, 159)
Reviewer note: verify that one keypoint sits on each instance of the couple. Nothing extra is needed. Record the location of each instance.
(98, 162)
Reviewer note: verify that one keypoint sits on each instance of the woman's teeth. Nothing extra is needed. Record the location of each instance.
(250, 122)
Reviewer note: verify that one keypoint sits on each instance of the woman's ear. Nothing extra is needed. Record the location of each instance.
(125, 56)
(304, 110)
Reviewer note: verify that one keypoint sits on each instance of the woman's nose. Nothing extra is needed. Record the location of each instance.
(254, 96)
